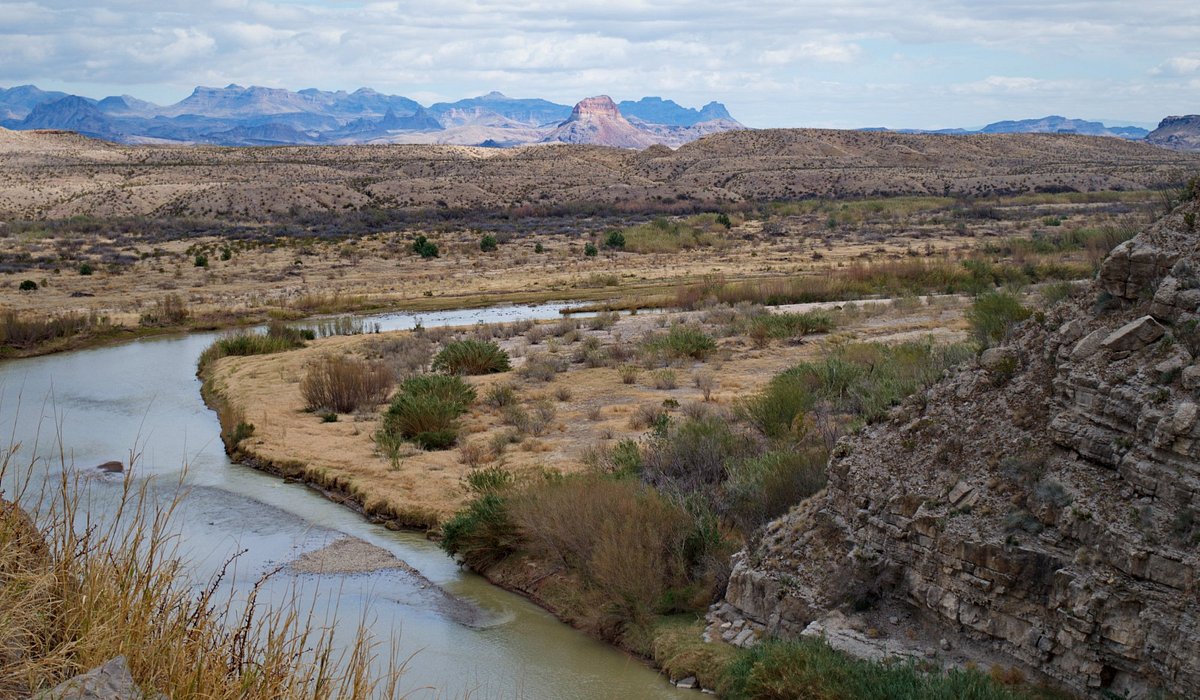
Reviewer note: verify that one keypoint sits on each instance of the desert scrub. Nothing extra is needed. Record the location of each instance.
(992, 315)
(858, 381)
(74, 598)
(680, 342)
(542, 367)
(278, 338)
(470, 357)
(666, 236)
(425, 410)
(692, 456)
(344, 384)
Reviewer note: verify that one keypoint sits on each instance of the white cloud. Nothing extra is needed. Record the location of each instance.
(770, 60)
(1177, 66)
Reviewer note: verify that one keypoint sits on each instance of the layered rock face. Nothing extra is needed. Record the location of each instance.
(1041, 504)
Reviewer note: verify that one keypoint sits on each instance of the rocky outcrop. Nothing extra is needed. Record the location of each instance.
(1040, 504)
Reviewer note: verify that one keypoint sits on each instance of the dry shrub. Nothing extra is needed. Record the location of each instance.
(344, 384)
(624, 539)
(406, 354)
(171, 310)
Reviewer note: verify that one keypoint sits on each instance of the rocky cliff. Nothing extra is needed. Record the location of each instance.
(1036, 508)
(1177, 133)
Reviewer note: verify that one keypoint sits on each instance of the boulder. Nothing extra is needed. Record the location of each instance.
(1134, 335)
(111, 681)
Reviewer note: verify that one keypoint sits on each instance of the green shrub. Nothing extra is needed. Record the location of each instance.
(682, 341)
(488, 243)
(723, 219)
(482, 534)
(471, 357)
(590, 250)
(201, 260)
(424, 247)
(762, 488)
(777, 410)
(615, 240)
(27, 286)
(86, 269)
(992, 316)
(539, 248)
(426, 409)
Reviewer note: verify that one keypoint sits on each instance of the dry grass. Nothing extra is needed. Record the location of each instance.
(79, 589)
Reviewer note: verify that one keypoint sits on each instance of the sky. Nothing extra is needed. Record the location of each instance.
(827, 63)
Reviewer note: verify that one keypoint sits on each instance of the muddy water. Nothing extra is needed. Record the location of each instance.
(143, 398)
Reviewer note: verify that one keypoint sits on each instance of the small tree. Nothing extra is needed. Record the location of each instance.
(86, 269)
(589, 249)
(424, 247)
(615, 240)
(28, 286)
(723, 219)
(488, 243)
(539, 248)
(201, 260)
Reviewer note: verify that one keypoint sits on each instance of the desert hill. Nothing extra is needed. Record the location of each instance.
(55, 175)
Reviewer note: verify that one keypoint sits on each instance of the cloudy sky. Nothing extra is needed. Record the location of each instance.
(837, 63)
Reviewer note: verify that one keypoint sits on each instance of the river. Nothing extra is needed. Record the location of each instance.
(143, 397)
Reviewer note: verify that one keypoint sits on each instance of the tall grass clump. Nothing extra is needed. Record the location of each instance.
(471, 356)
(426, 408)
(993, 315)
(278, 338)
(787, 325)
(78, 588)
(344, 384)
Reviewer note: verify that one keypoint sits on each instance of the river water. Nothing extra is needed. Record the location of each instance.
(143, 398)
